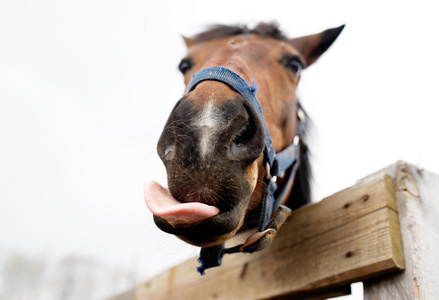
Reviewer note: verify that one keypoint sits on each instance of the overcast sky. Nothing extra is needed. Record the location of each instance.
(86, 87)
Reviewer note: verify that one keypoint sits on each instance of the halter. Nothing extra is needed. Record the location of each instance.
(275, 165)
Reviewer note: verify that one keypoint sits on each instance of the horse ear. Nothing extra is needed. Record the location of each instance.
(188, 41)
(312, 46)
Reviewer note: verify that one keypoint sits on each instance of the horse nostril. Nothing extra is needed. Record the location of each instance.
(169, 152)
(243, 136)
(248, 143)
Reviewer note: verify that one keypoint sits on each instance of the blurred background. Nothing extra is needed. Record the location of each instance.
(86, 87)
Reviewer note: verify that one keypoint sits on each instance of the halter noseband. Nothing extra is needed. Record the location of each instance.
(275, 165)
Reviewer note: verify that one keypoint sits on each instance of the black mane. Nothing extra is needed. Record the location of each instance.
(270, 29)
(301, 192)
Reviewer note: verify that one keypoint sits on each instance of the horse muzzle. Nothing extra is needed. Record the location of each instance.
(209, 146)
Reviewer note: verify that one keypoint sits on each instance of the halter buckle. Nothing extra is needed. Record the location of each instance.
(267, 171)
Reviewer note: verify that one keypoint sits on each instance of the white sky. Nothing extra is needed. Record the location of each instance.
(86, 87)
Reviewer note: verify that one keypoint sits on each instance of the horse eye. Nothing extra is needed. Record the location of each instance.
(185, 65)
(293, 64)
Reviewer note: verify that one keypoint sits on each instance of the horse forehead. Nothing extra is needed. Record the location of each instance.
(251, 45)
(243, 40)
(255, 58)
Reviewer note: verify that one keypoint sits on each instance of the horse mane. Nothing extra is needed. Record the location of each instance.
(301, 191)
(270, 29)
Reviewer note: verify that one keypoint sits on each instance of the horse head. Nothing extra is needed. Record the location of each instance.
(213, 142)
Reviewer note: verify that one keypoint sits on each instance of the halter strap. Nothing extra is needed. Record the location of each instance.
(275, 165)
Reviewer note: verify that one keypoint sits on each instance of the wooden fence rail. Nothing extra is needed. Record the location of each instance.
(358, 234)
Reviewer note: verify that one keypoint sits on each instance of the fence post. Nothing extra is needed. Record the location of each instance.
(417, 196)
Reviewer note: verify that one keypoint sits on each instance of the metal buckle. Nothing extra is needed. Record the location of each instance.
(262, 239)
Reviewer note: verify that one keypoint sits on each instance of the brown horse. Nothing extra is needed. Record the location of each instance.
(213, 142)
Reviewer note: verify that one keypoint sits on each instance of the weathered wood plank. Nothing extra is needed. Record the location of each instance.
(417, 194)
(348, 237)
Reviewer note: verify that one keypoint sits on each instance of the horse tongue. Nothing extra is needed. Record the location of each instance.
(161, 203)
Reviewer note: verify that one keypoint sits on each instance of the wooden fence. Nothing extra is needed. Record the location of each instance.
(382, 231)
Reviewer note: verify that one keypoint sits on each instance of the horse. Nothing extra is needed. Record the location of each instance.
(217, 141)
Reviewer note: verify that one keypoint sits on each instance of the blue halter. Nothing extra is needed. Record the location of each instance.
(275, 164)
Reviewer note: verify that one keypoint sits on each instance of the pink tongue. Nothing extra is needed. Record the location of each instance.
(161, 203)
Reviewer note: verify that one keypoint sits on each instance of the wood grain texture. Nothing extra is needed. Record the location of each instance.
(350, 236)
(417, 195)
